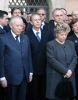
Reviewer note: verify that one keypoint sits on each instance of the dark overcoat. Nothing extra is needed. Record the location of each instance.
(60, 58)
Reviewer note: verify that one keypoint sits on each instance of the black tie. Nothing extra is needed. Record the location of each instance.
(17, 40)
(37, 35)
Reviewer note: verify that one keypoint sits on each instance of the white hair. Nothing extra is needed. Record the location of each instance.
(13, 19)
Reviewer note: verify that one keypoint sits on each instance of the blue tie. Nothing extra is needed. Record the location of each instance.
(17, 40)
(37, 35)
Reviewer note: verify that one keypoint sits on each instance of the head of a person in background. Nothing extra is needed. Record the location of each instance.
(74, 14)
(16, 12)
(3, 18)
(35, 21)
(74, 25)
(66, 19)
(28, 17)
(70, 18)
(42, 13)
(65, 13)
(16, 25)
(58, 15)
(61, 31)
(24, 25)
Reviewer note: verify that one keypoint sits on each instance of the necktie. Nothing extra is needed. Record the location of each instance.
(17, 40)
(37, 35)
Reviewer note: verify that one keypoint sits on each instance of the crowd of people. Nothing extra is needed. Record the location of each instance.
(36, 55)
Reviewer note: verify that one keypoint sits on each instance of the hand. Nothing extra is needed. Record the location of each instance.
(3, 83)
(68, 74)
(65, 76)
(30, 77)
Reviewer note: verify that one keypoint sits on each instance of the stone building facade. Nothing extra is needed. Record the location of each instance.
(70, 5)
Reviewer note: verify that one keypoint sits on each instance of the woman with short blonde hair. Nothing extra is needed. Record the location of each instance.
(61, 61)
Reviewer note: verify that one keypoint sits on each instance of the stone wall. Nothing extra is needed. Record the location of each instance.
(71, 5)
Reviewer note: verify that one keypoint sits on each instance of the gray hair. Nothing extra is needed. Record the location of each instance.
(61, 27)
(55, 10)
(13, 18)
(31, 17)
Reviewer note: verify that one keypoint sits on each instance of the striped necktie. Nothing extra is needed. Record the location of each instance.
(37, 35)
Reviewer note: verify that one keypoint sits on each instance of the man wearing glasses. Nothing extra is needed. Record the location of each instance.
(42, 13)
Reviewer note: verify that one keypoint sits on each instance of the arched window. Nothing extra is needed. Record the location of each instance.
(29, 6)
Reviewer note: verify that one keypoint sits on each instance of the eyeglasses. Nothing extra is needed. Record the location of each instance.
(42, 14)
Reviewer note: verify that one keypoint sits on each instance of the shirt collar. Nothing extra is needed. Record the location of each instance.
(43, 23)
(35, 31)
(1, 26)
(55, 23)
(14, 35)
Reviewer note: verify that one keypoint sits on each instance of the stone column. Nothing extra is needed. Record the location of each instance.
(4, 5)
(50, 8)
(58, 3)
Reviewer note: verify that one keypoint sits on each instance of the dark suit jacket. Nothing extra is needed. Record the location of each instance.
(7, 28)
(51, 27)
(38, 51)
(74, 38)
(60, 58)
(2, 31)
(28, 27)
(15, 60)
(46, 26)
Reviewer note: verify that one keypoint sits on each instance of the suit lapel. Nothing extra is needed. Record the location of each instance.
(2, 31)
(12, 41)
(33, 37)
(22, 42)
(52, 26)
(43, 39)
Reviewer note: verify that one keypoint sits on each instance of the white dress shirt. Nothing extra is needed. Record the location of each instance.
(14, 35)
(55, 23)
(42, 25)
(35, 31)
(1, 26)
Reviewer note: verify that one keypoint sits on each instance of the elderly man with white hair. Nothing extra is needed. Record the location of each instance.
(15, 61)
